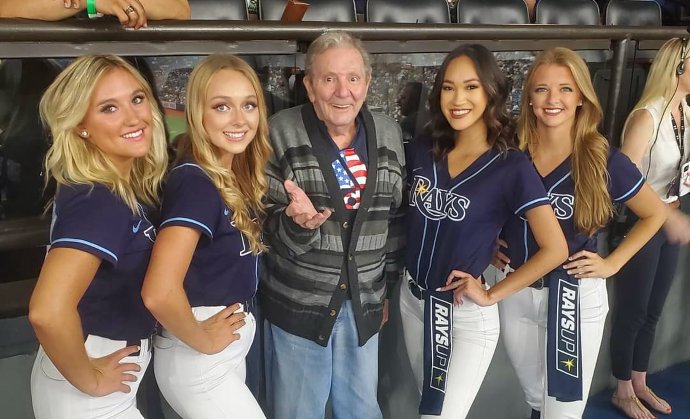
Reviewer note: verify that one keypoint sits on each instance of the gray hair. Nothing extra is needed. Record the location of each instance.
(336, 39)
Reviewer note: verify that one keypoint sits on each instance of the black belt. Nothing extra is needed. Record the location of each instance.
(419, 293)
(249, 305)
(540, 283)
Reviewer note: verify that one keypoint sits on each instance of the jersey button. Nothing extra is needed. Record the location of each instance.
(332, 313)
(343, 287)
(345, 225)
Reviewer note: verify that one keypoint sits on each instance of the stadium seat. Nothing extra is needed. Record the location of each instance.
(567, 12)
(408, 11)
(219, 9)
(633, 13)
(318, 11)
(498, 12)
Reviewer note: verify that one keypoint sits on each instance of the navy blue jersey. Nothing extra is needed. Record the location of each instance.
(625, 181)
(453, 223)
(96, 221)
(223, 270)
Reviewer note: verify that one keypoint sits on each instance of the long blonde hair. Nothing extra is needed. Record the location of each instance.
(662, 81)
(593, 207)
(73, 160)
(243, 187)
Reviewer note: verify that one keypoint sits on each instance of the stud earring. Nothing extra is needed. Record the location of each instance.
(83, 133)
(530, 104)
(579, 104)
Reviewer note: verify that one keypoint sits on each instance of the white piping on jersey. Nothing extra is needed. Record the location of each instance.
(433, 249)
(88, 243)
(475, 173)
(256, 274)
(567, 175)
(188, 164)
(548, 193)
(189, 220)
(426, 221)
(524, 224)
(530, 203)
(625, 195)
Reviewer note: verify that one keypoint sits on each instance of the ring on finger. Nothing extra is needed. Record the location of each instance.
(129, 10)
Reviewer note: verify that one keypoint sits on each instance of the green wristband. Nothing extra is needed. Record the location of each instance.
(91, 9)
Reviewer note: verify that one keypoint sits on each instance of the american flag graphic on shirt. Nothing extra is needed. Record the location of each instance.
(352, 196)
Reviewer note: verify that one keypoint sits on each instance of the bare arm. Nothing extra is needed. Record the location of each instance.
(165, 9)
(651, 212)
(164, 294)
(38, 9)
(553, 250)
(638, 133)
(64, 278)
(61, 9)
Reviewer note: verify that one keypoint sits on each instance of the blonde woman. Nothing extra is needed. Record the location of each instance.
(108, 157)
(583, 177)
(656, 140)
(203, 272)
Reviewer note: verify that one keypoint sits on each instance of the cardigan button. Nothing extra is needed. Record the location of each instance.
(322, 337)
(332, 313)
(345, 225)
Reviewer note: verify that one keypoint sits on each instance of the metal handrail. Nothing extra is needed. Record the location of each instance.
(76, 30)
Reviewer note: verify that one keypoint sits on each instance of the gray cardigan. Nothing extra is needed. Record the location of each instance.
(307, 274)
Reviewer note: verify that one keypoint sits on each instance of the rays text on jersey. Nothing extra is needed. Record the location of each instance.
(436, 203)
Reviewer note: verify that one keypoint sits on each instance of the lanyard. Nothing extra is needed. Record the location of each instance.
(680, 134)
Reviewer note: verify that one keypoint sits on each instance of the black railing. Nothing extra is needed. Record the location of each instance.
(21, 38)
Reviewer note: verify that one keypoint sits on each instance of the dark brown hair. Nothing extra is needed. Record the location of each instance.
(500, 126)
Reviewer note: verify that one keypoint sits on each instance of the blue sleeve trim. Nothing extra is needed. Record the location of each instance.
(632, 190)
(87, 243)
(188, 220)
(531, 203)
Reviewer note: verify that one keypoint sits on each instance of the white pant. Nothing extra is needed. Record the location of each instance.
(475, 335)
(200, 386)
(523, 322)
(53, 397)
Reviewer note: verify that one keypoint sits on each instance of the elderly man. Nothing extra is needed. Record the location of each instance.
(335, 200)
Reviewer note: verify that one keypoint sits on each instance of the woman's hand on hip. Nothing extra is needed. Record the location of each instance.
(465, 285)
(112, 375)
(585, 264)
(221, 328)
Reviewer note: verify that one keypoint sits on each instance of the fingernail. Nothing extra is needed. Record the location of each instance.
(138, 348)
(438, 289)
